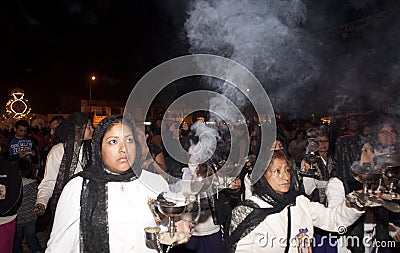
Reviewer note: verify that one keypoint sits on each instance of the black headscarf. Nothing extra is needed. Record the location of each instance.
(94, 235)
(71, 134)
(264, 191)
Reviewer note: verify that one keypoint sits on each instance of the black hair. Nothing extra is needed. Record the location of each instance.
(94, 230)
(58, 118)
(279, 154)
(382, 123)
(68, 127)
(71, 134)
(103, 127)
(22, 123)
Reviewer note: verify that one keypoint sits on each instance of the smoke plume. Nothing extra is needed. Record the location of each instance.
(300, 55)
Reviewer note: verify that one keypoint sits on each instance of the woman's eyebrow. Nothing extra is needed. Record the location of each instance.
(116, 136)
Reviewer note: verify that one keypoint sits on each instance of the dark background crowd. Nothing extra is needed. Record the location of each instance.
(340, 141)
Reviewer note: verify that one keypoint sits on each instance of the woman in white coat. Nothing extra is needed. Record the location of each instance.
(105, 207)
(276, 220)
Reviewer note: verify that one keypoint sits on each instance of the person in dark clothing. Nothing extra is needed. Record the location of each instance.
(174, 167)
(22, 149)
(375, 222)
(26, 218)
(150, 151)
(10, 201)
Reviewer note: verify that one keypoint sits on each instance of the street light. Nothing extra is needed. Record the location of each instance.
(93, 77)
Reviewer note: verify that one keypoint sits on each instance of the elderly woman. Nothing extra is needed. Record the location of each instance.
(277, 220)
(315, 186)
(105, 207)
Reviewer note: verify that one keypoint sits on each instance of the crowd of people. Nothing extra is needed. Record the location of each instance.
(95, 185)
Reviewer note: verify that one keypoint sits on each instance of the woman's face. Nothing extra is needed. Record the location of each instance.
(278, 175)
(278, 145)
(142, 141)
(367, 154)
(300, 136)
(323, 143)
(118, 148)
(387, 136)
(174, 129)
(88, 131)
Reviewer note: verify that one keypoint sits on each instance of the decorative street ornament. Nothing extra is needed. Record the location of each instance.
(17, 107)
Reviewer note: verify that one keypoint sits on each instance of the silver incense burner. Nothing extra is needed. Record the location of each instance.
(311, 157)
(383, 172)
(171, 237)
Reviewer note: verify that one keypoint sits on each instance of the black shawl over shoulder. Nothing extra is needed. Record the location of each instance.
(94, 236)
(71, 134)
(348, 150)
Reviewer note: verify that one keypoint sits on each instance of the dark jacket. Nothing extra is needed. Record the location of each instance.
(11, 179)
(348, 150)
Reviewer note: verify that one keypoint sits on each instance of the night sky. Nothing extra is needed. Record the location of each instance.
(51, 48)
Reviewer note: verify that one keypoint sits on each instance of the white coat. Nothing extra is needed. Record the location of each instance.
(270, 235)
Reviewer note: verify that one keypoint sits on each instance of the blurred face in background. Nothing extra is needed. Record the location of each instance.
(300, 135)
(292, 134)
(174, 129)
(53, 126)
(185, 126)
(323, 142)
(142, 141)
(367, 154)
(88, 131)
(352, 125)
(21, 132)
(278, 145)
(387, 135)
(367, 130)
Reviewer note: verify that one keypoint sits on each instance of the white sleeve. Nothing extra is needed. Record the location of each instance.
(248, 187)
(65, 232)
(154, 182)
(309, 185)
(337, 214)
(335, 194)
(53, 162)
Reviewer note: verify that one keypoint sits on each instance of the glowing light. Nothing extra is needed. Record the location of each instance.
(93, 78)
(326, 120)
(18, 107)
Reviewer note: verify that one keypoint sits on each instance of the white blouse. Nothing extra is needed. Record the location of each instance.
(128, 214)
(53, 163)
